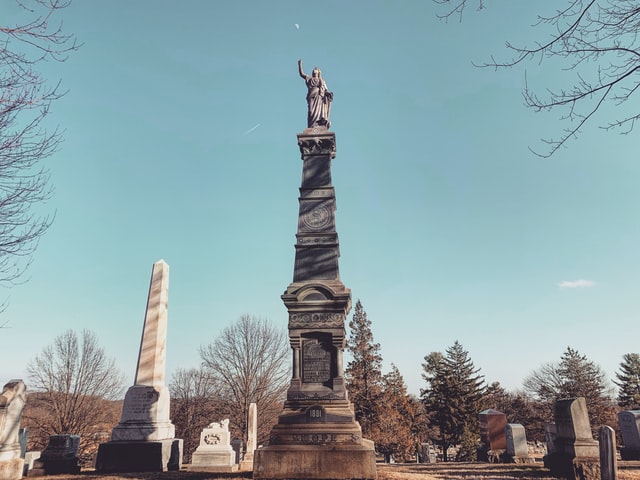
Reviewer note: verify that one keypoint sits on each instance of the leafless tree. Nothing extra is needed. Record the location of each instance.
(250, 359)
(195, 403)
(74, 380)
(598, 40)
(25, 100)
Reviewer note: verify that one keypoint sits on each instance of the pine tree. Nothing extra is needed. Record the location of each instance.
(629, 381)
(453, 394)
(364, 372)
(574, 376)
(393, 433)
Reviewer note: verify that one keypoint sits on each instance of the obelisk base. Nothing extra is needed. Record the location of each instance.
(343, 462)
(141, 456)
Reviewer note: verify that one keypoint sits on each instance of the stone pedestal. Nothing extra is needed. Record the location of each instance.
(215, 453)
(12, 401)
(317, 436)
(144, 438)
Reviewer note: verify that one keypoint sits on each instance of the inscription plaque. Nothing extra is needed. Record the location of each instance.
(316, 361)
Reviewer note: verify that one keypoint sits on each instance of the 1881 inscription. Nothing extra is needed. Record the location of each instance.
(316, 361)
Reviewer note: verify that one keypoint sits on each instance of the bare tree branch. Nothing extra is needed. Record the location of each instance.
(599, 39)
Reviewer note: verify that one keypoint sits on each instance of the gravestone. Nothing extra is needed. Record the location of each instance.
(550, 436)
(629, 421)
(492, 435)
(215, 454)
(517, 450)
(29, 460)
(237, 444)
(317, 435)
(608, 453)
(144, 440)
(576, 456)
(252, 438)
(60, 456)
(12, 401)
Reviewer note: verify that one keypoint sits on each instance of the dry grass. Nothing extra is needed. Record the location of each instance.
(407, 471)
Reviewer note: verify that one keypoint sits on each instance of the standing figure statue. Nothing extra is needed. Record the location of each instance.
(318, 98)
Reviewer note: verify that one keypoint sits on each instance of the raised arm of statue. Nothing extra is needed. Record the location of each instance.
(302, 74)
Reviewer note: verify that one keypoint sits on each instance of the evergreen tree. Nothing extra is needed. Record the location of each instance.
(364, 372)
(393, 433)
(574, 376)
(629, 381)
(452, 396)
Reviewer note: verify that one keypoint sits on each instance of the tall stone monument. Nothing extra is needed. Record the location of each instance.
(317, 436)
(576, 455)
(144, 438)
(252, 437)
(12, 401)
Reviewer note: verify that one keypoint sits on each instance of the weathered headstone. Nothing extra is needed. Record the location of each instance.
(317, 435)
(576, 456)
(144, 440)
(492, 435)
(29, 459)
(517, 448)
(629, 421)
(608, 453)
(60, 456)
(215, 453)
(12, 401)
(252, 438)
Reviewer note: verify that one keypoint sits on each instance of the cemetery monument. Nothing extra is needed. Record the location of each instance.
(629, 421)
(215, 454)
(492, 435)
(252, 440)
(60, 456)
(144, 440)
(317, 435)
(576, 455)
(12, 401)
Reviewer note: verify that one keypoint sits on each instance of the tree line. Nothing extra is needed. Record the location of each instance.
(446, 412)
(76, 388)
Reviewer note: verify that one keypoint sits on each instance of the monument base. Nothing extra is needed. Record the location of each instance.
(11, 469)
(210, 469)
(629, 453)
(156, 456)
(576, 468)
(298, 462)
(214, 459)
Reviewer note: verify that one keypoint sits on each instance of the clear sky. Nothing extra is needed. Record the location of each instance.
(180, 144)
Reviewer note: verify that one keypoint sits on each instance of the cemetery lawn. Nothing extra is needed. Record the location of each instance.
(406, 471)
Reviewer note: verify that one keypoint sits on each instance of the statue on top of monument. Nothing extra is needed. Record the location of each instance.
(318, 98)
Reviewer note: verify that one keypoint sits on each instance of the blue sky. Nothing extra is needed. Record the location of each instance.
(180, 143)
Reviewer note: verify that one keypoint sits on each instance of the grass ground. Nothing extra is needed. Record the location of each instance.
(407, 471)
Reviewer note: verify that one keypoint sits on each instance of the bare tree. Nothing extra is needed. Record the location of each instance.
(250, 359)
(74, 378)
(195, 403)
(25, 100)
(597, 40)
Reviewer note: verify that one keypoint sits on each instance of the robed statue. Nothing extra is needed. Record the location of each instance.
(318, 98)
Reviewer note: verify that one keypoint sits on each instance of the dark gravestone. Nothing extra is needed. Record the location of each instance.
(608, 453)
(60, 456)
(492, 435)
(629, 421)
(576, 456)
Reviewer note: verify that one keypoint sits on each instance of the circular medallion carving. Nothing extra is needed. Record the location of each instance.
(212, 439)
(317, 218)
